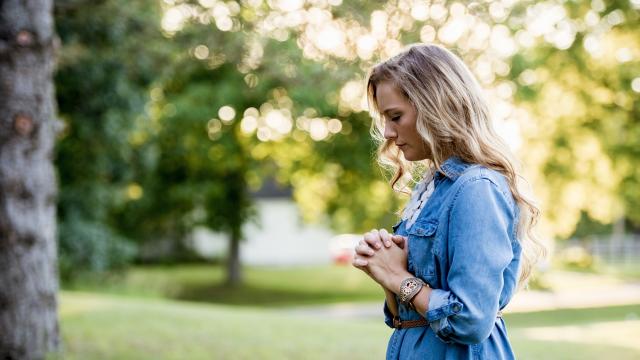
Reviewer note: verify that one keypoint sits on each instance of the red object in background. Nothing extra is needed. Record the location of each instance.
(341, 248)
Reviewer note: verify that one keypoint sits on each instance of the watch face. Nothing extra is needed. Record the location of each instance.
(409, 288)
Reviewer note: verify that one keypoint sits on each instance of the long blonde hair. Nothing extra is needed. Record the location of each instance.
(453, 118)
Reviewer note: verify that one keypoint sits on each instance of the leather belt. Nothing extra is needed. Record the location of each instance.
(406, 324)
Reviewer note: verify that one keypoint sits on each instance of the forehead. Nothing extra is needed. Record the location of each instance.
(388, 96)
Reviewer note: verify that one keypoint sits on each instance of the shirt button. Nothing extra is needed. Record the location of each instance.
(457, 307)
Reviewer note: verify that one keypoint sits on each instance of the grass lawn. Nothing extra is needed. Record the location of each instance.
(286, 286)
(100, 326)
(264, 286)
(105, 327)
(628, 271)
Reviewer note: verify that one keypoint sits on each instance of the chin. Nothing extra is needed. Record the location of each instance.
(411, 156)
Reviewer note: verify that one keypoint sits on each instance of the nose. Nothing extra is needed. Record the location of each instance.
(389, 131)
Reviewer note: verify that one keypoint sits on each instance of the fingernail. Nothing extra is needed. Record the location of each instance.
(388, 243)
(378, 245)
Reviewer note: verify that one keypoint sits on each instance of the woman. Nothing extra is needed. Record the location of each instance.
(464, 241)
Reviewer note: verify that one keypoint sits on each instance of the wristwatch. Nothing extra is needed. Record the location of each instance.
(409, 288)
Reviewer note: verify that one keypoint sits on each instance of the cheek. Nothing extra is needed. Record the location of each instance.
(416, 138)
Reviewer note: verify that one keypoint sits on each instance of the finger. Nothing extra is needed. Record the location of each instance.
(359, 262)
(382, 237)
(399, 240)
(364, 244)
(373, 240)
(375, 234)
(364, 250)
(386, 237)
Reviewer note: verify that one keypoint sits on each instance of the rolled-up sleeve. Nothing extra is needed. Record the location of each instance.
(479, 250)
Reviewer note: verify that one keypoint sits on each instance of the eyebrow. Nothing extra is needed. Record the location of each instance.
(391, 109)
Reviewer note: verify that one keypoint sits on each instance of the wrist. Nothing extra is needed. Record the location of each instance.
(394, 281)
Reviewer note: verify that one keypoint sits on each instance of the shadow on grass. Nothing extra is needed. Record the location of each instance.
(251, 295)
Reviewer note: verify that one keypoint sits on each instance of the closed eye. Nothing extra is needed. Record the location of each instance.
(395, 118)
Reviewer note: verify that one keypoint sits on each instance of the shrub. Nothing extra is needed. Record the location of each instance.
(91, 247)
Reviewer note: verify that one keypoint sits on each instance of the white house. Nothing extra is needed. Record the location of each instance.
(279, 238)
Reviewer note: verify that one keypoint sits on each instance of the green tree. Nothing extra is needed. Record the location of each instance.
(575, 83)
(243, 91)
(102, 79)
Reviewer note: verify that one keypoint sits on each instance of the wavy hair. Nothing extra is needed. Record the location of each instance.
(453, 119)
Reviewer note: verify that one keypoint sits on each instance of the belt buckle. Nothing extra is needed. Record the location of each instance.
(397, 323)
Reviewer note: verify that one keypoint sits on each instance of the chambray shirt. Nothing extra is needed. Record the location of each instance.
(464, 246)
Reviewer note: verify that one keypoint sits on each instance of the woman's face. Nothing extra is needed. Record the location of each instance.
(400, 121)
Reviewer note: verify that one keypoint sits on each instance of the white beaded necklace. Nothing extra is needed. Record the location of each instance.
(419, 196)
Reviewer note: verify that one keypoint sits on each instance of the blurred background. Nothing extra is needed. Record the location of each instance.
(215, 169)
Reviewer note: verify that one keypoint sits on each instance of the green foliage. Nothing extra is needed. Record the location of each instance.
(101, 86)
(91, 247)
(195, 182)
(576, 258)
(585, 113)
(146, 154)
(589, 227)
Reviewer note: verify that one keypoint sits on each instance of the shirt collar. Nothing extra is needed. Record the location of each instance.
(453, 167)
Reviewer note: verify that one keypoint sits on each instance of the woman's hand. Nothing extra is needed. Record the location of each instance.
(388, 253)
(372, 241)
(388, 266)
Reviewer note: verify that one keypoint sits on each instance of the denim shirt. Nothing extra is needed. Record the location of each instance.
(464, 246)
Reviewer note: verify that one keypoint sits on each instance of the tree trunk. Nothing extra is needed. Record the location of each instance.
(28, 273)
(234, 271)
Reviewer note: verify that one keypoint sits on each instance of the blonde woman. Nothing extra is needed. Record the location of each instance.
(464, 241)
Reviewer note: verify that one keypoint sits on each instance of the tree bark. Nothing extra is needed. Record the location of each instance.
(28, 272)
(234, 270)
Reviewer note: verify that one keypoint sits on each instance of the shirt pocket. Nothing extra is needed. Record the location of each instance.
(422, 250)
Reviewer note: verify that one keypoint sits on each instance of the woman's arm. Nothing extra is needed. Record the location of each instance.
(391, 301)
(420, 301)
(374, 241)
(392, 287)
(377, 241)
(479, 250)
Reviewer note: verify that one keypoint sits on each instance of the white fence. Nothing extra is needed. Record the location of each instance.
(623, 249)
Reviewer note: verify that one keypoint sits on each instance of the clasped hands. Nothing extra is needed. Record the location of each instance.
(383, 257)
